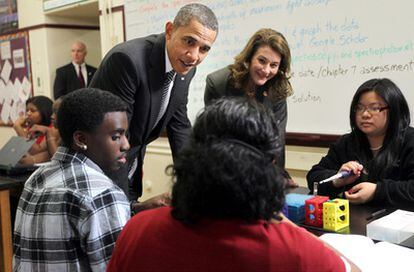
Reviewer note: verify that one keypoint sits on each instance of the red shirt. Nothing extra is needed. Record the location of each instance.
(154, 241)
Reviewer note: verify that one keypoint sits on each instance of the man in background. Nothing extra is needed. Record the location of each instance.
(152, 75)
(74, 75)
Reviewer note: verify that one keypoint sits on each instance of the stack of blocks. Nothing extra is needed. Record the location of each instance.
(314, 210)
(335, 214)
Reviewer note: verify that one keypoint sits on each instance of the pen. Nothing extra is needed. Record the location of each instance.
(342, 174)
(377, 214)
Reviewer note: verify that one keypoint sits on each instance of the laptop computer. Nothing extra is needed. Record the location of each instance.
(11, 153)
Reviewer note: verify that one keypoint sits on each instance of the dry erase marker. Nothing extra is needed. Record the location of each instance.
(342, 174)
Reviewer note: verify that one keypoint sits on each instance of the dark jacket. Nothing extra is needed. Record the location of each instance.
(135, 71)
(217, 85)
(67, 80)
(395, 189)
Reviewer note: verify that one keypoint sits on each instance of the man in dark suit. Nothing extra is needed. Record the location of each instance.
(139, 71)
(74, 75)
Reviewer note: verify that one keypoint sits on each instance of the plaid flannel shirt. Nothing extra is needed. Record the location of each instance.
(69, 217)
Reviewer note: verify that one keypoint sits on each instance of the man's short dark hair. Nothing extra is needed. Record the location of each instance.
(227, 170)
(84, 110)
(203, 14)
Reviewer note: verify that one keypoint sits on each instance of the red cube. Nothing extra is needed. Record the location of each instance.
(314, 210)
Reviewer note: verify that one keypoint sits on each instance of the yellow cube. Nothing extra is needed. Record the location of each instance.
(336, 214)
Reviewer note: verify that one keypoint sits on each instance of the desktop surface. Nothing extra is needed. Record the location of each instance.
(359, 218)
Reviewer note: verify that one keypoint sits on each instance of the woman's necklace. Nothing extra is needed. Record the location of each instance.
(376, 148)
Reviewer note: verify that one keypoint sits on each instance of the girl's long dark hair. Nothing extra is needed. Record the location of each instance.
(398, 122)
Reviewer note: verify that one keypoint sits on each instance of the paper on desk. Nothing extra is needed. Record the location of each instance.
(368, 256)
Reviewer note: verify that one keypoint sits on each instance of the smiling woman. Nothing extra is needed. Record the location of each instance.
(261, 71)
(378, 151)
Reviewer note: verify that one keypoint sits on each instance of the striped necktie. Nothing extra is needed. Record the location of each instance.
(165, 96)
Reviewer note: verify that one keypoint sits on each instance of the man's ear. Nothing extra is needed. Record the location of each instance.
(169, 28)
(80, 140)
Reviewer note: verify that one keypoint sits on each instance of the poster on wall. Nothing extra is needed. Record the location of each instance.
(15, 76)
(8, 16)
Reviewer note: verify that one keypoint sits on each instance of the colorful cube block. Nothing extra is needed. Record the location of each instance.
(314, 210)
(336, 214)
(296, 207)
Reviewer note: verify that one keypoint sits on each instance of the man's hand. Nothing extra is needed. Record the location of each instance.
(153, 202)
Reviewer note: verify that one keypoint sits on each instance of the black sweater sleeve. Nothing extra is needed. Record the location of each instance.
(398, 188)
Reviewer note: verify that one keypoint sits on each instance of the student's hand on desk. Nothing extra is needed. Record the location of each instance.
(352, 166)
(361, 193)
(153, 202)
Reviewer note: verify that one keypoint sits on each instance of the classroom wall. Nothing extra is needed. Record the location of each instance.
(30, 12)
(59, 44)
(111, 26)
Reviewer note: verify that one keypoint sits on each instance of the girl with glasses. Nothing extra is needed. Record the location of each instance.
(379, 151)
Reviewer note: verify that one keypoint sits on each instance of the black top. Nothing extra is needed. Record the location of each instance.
(67, 80)
(397, 188)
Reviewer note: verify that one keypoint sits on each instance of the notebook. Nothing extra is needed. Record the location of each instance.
(11, 153)
(370, 256)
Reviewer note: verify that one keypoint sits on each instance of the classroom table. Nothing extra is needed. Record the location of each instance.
(358, 221)
(7, 184)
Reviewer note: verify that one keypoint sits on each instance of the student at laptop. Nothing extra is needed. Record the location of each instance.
(70, 213)
(226, 192)
(38, 112)
(51, 136)
(379, 151)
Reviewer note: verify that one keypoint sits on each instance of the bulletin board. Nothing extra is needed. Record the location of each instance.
(15, 76)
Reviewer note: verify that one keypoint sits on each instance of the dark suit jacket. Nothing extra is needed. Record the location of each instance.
(67, 80)
(217, 85)
(135, 71)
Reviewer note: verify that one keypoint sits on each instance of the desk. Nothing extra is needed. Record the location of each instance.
(357, 218)
(7, 183)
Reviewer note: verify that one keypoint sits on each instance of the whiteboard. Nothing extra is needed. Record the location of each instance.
(336, 45)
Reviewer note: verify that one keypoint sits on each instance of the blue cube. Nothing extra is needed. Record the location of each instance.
(296, 207)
